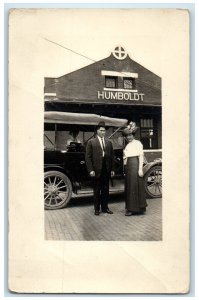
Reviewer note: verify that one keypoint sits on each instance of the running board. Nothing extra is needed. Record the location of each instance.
(89, 193)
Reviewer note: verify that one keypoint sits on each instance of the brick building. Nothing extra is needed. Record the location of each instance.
(116, 86)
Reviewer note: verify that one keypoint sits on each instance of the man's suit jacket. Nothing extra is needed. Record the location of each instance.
(94, 156)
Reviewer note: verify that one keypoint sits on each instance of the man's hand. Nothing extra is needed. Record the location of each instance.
(140, 172)
(92, 173)
(112, 173)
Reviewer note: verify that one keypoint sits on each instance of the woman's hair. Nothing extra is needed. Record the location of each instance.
(127, 131)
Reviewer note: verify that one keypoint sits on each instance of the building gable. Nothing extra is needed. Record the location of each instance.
(88, 85)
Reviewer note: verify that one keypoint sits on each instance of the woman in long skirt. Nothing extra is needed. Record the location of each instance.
(135, 201)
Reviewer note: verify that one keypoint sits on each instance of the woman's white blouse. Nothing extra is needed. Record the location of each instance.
(134, 148)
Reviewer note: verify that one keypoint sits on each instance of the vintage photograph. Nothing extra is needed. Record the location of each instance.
(103, 150)
(98, 150)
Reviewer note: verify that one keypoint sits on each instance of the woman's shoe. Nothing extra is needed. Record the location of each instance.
(129, 213)
(142, 211)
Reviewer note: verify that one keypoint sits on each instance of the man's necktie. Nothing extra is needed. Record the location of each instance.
(103, 146)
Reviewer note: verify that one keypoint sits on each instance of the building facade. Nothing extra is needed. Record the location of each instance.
(116, 86)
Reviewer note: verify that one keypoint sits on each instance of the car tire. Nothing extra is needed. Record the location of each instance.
(153, 182)
(57, 190)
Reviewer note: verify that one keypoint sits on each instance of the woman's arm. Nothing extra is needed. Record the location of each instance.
(141, 160)
(124, 156)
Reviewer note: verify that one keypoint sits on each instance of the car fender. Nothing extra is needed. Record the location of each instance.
(62, 170)
(150, 165)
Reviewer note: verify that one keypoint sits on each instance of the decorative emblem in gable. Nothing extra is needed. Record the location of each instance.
(119, 53)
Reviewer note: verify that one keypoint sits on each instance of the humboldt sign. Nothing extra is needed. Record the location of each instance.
(126, 96)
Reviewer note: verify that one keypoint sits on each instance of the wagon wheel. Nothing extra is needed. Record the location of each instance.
(153, 182)
(57, 190)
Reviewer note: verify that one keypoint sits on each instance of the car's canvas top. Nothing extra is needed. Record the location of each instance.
(81, 119)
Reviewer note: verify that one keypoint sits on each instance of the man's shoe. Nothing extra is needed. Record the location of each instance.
(108, 211)
(97, 213)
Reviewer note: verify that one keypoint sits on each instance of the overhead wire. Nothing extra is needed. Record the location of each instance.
(75, 52)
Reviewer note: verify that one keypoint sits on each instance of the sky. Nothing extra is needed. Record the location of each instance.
(91, 33)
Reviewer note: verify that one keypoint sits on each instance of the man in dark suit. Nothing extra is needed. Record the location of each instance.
(99, 161)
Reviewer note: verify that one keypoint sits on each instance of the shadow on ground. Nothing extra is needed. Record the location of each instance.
(87, 201)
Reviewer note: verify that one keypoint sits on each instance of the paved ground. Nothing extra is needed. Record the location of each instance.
(78, 222)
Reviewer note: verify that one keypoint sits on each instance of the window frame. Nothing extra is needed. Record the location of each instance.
(133, 83)
(115, 78)
(154, 137)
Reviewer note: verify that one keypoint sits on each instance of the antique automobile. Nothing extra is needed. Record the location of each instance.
(65, 173)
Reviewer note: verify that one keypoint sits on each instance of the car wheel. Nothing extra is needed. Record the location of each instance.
(57, 190)
(153, 182)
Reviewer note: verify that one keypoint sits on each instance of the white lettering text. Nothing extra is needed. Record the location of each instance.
(109, 95)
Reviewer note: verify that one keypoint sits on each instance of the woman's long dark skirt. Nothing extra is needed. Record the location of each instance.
(134, 187)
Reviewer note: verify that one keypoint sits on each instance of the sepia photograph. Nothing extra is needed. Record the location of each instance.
(99, 150)
(103, 140)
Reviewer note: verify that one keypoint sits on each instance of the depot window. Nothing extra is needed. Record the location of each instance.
(148, 133)
(110, 82)
(129, 83)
